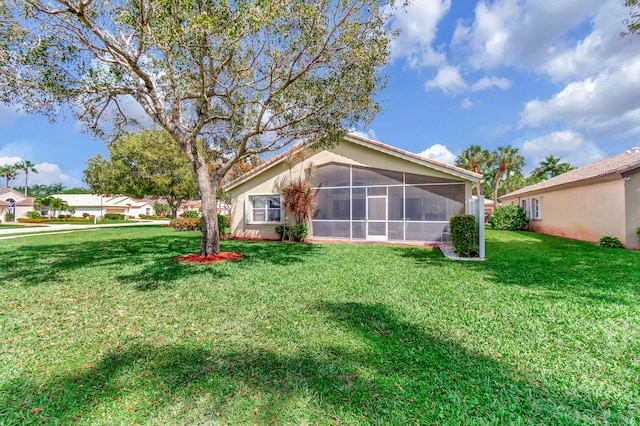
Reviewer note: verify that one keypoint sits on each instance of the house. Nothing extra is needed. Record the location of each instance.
(364, 190)
(601, 198)
(99, 205)
(12, 201)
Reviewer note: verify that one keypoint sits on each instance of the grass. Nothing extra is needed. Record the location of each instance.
(104, 328)
(8, 226)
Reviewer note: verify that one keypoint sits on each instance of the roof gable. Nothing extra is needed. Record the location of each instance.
(375, 145)
(621, 164)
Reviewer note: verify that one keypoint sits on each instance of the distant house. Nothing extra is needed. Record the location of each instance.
(99, 205)
(12, 201)
(364, 190)
(601, 198)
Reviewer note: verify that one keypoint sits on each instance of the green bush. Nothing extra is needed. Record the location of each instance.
(464, 235)
(638, 234)
(185, 224)
(191, 214)
(33, 215)
(50, 219)
(611, 242)
(224, 221)
(114, 216)
(508, 218)
(282, 232)
(299, 232)
(8, 217)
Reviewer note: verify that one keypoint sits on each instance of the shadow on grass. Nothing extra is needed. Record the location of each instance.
(145, 262)
(562, 265)
(398, 373)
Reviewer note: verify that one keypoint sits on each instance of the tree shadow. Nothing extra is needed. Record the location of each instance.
(393, 372)
(144, 262)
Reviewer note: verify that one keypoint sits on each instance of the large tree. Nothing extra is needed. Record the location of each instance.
(226, 79)
(26, 166)
(550, 167)
(476, 159)
(142, 164)
(633, 23)
(506, 159)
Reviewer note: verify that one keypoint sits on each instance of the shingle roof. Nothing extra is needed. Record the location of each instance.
(615, 165)
(363, 141)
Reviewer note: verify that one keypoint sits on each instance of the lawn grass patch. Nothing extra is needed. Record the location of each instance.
(105, 328)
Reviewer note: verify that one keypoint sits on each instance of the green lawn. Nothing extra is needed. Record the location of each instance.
(104, 328)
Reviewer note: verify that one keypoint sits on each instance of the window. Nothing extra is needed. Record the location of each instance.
(523, 204)
(535, 208)
(265, 209)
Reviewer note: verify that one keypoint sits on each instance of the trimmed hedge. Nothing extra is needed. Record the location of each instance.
(464, 235)
(190, 214)
(508, 218)
(114, 216)
(48, 220)
(185, 224)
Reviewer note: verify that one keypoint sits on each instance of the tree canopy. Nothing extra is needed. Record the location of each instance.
(226, 79)
(142, 164)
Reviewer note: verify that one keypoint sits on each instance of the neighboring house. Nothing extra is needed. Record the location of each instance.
(99, 205)
(12, 201)
(364, 190)
(602, 198)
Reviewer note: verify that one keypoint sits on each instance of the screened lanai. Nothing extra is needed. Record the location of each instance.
(360, 203)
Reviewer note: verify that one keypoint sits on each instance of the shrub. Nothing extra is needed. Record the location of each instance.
(463, 234)
(85, 215)
(8, 217)
(185, 224)
(33, 215)
(638, 234)
(508, 218)
(224, 221)
(611, 242)
(50, 220)
(191, 214)
(114, 216)
(282, 232)
(299, 232)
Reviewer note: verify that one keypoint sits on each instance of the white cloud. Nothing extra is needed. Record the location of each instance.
(439, 153)
(466, 104)
(489, 82)
(520, 33)
(610, 102)
(448, 80)
(47, 174)
(418, 23)
(368, 134)
(570, 146)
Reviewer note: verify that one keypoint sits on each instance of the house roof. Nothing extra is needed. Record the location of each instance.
(92, 200)
(378, 146)
(621, 164)
(20, 198)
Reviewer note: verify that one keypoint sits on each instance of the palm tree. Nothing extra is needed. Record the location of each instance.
(27, 166)
(508, 160)
(476, 159)
(9, 172)
(551, 167)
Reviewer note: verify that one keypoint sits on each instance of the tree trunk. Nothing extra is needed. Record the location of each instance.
(210, 245)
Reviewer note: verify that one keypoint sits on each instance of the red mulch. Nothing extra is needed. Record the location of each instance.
(220, 257)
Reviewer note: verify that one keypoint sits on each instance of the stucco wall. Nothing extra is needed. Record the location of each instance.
(583, 213)
(632, 206)
(269, 181)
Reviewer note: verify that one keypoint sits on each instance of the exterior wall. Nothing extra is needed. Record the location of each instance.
(632, 208)
(269, 181)
(582, 213)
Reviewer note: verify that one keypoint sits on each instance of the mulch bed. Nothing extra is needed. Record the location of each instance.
(220, 257)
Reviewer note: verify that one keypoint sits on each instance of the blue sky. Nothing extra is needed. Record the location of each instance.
(547, 76)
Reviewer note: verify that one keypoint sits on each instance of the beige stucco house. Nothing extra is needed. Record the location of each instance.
(602, 198)
(12, 201)
(364, 190)
(99, 205)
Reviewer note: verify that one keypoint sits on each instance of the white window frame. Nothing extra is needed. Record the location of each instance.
(249, 209)
(524, 204)
(536, 208)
